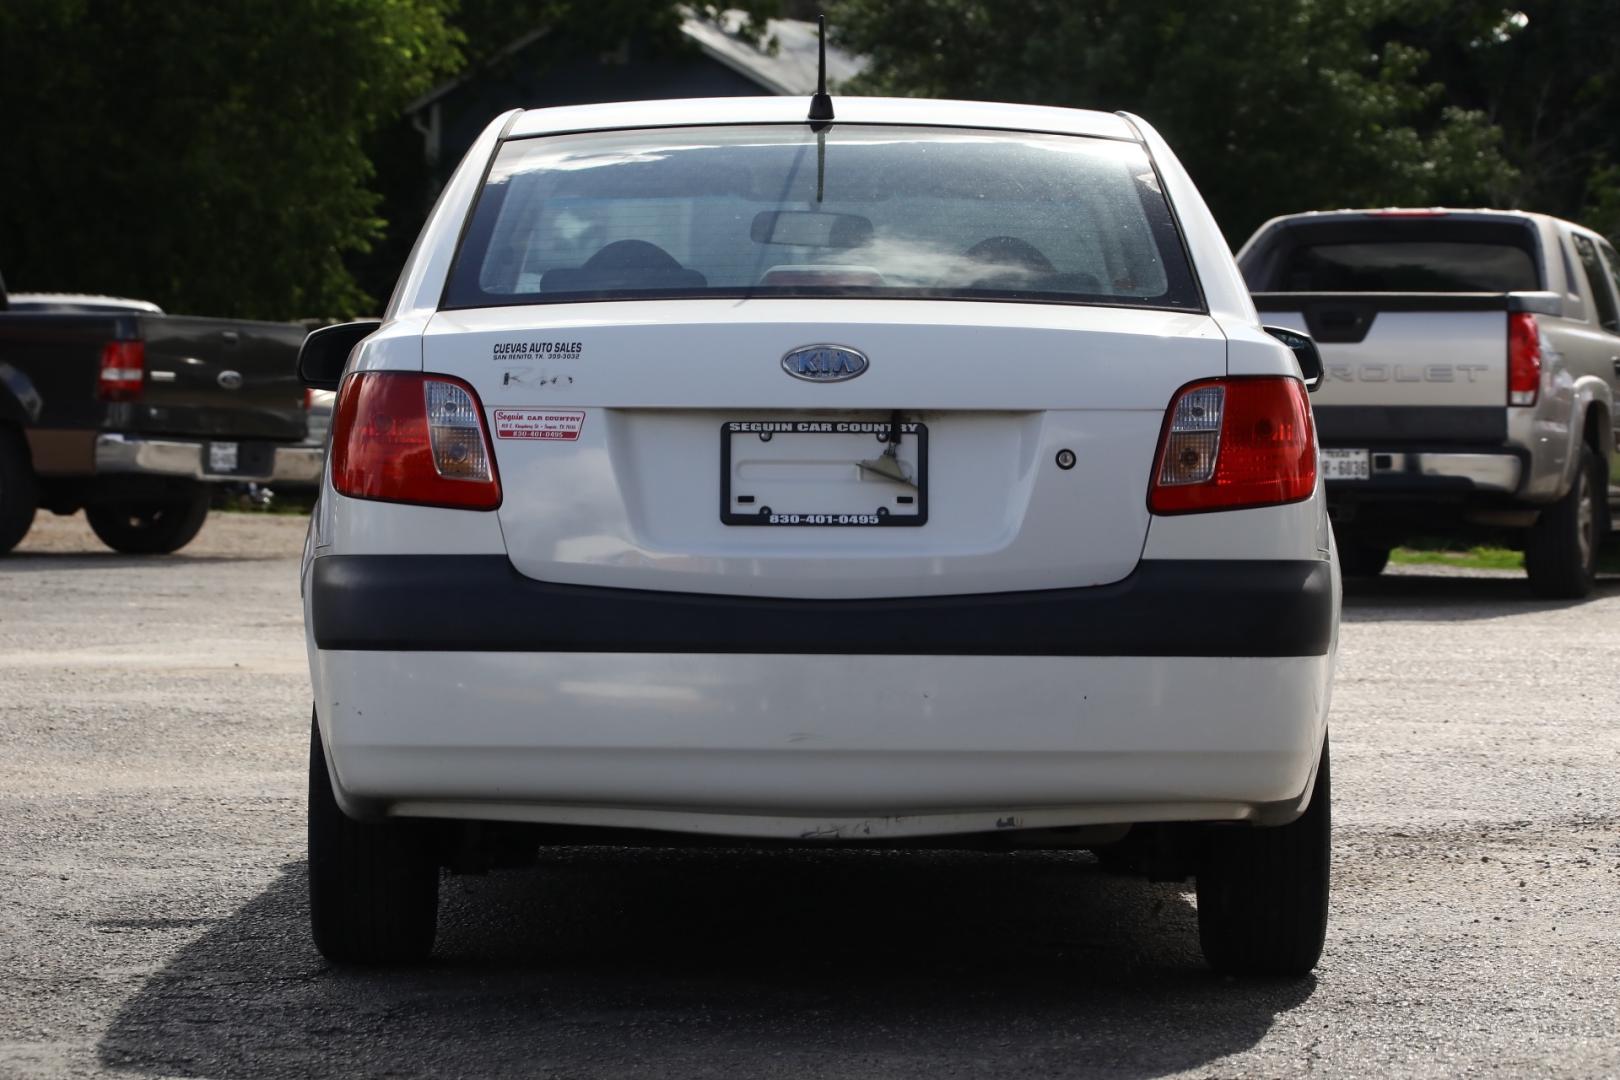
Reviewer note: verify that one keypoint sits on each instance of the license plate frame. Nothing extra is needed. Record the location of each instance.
(768, 516)
(224, 458)
(1345, 464)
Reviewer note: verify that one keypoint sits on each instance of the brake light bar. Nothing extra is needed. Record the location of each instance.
(123, 371)
(1524, 358)
(412, 438)
(1235, 443)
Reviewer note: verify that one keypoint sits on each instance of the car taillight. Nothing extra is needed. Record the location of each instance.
(412, 438)
(1524, 358)
(1234, 443)
(123, 370)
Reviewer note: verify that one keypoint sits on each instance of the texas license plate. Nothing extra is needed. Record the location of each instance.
(223, 457)
(823, 473)
(1346, 465)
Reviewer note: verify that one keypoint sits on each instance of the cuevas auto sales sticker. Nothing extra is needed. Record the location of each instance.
(558, 425)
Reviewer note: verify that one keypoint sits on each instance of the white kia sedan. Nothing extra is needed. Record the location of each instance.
(923, 476)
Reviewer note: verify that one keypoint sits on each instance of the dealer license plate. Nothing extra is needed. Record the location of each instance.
(1346, 465)
(823, 473)
(223, 457)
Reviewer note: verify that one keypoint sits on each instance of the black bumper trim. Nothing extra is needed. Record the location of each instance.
(1376, 426)
(480, 603)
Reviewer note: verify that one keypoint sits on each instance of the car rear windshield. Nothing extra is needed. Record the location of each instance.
(852, 211)
(1413, 255)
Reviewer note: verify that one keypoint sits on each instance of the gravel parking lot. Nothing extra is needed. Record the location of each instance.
(155, 720)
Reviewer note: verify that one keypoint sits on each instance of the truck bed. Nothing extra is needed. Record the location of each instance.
(203, 378)
(1425, 368)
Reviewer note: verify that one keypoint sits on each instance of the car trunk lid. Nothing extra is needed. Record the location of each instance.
(645, 444)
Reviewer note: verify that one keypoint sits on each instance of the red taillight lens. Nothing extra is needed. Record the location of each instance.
(1524, 359)
(405, 437)
(123, 370)
(1234, 443)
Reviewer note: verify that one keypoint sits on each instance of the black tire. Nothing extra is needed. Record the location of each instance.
(373, 886)
(19, 492)
(1561, 553)
(152, 527)
(1359, 559)
(1263, 892)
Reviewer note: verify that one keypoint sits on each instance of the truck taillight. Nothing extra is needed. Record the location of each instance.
(1229, 444)
(123, 371)
(1524, 358)
(413, 438)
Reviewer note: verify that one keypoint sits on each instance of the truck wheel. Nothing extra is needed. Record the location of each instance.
(1263, 892)
(150, 528)
(1561, 552)
(1359, 559)
(19, 493)
(373, 886)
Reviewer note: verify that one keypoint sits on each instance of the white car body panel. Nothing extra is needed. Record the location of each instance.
(618, 507)
(684, 733)
(790, 110)
(818, 742)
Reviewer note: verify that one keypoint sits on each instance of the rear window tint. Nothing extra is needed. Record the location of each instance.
(1396, 266)
(1597, 279)
(1394, 254)
(862, 211)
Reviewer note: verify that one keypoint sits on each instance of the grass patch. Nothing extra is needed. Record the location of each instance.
(1474, 558)
(1486, 557)
(235, 499)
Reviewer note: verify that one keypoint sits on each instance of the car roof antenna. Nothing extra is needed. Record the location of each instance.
(821, 110)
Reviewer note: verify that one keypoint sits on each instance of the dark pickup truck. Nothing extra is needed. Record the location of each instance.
(113, 407)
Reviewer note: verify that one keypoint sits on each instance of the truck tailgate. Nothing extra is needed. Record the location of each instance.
(1427, 367)
(220, 377)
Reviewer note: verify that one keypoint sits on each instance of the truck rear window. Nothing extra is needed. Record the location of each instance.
(859, 211)
(1399, 255)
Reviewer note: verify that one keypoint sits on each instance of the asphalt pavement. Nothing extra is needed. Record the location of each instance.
(154, 723)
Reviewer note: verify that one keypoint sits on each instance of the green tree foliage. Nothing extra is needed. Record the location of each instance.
(219, 157)
(207, 156)
(1273, 105)
(1544, 72)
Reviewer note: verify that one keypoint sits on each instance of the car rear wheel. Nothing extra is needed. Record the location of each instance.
(19, 494)
(152, 527)
(1357, 558)
(1561, 553)
(373, 886)
(1263, 892)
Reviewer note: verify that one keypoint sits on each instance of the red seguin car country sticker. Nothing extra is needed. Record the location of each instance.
(561, 425)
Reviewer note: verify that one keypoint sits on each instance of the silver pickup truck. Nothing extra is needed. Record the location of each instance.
(1471, 359)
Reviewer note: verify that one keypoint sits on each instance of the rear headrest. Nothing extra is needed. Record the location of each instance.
(624, 265)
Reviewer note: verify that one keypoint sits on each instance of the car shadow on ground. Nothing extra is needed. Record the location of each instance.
(37, 561)
(1449, 598)
(613, 962)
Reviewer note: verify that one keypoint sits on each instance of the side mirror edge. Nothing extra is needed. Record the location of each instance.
(325, 352)
(1306, 354)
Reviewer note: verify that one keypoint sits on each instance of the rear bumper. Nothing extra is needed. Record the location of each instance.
(453, 687)
(838, 747)
(1435, 471)
(115, 453)
(480, 603)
